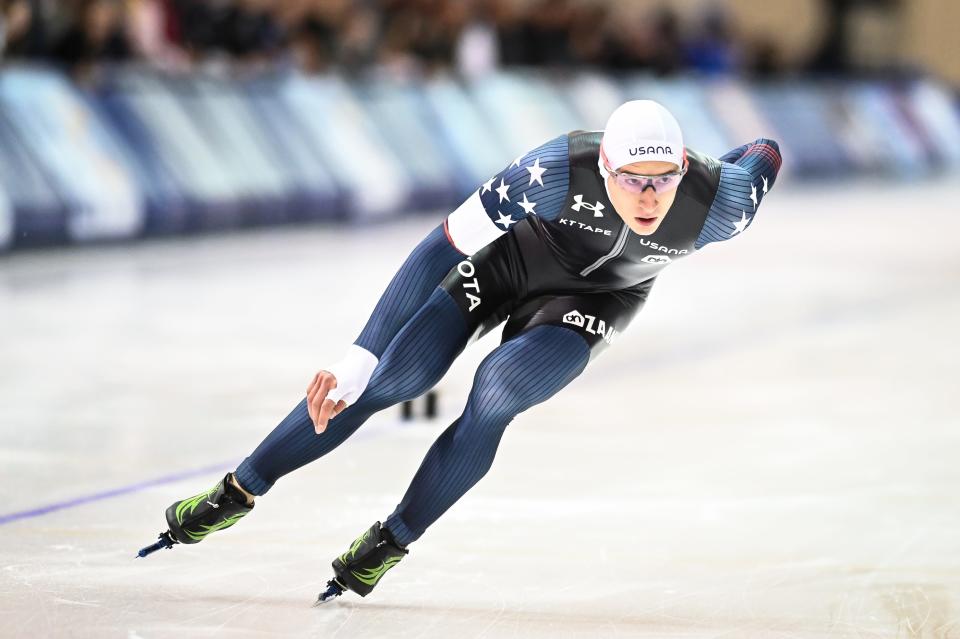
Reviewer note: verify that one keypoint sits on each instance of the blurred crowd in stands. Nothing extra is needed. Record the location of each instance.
(396, 36)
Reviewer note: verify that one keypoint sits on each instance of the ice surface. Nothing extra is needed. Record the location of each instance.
(771, 450)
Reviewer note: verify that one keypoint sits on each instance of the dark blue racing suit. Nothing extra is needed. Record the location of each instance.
(540, 247)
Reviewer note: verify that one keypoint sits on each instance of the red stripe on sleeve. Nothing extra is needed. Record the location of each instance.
(446, 231)
(766, 151)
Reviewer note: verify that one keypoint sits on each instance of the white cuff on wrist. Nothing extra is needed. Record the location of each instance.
(353, 373)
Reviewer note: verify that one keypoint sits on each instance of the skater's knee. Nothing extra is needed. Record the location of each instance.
(524, 372)
(500, 391)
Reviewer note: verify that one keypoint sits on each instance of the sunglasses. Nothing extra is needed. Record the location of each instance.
(635, 183)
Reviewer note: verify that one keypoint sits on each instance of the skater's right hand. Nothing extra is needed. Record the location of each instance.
(339, 386)
(321, 408)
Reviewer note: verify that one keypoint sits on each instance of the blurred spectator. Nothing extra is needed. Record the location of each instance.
(97, 33)
(666, 48)
(765, 60)
(252, 33)
(154, 32)
(311, 43)
(832, 54)
(477, 49)
(359, 39)
(712, 49)
(590, 35)
(511, 35)
(548, 25)
(400, 36)
(22, 31)
(241, 29)
(653, 44)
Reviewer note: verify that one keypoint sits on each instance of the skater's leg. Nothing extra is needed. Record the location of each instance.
(520, 373)
(414, 361)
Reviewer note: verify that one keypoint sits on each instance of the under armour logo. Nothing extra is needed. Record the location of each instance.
(579, 203)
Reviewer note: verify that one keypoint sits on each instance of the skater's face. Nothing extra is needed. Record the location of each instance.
(642, 211)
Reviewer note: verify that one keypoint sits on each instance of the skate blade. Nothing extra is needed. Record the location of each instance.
(333, 591)
(164, 540)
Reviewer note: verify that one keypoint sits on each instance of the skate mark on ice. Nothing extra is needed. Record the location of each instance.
(9, 518)
(71, 602)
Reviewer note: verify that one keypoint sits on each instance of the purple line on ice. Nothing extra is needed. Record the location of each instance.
(116, 492)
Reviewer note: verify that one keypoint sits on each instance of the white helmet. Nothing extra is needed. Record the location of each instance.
(641, 131)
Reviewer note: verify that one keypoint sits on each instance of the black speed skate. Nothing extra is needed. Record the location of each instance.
(191, 520)
(359, 569)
